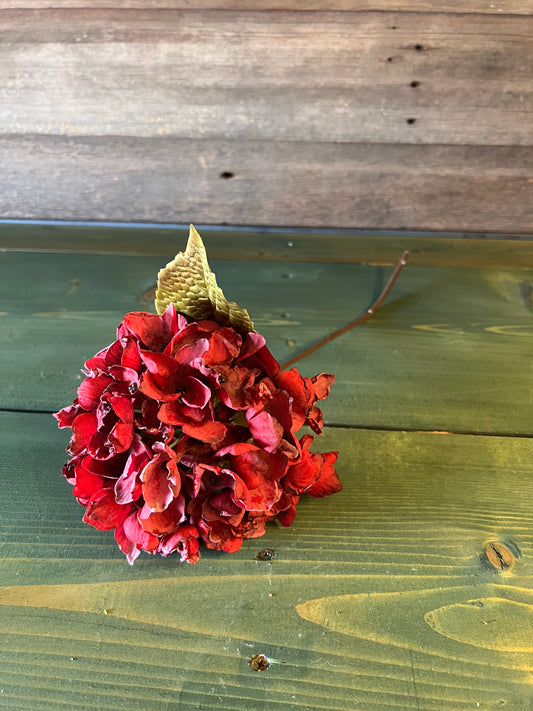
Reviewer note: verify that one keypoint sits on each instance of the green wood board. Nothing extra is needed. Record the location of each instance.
(380, 597)
(449, 350)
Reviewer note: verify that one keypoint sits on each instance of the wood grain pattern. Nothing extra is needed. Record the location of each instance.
(402, 543)
(275, 183)
(474, 326)
(321, 77)
(506, 7)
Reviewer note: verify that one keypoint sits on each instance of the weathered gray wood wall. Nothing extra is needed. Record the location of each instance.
(352, 114)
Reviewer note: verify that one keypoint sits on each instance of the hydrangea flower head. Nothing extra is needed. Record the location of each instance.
(185, 430)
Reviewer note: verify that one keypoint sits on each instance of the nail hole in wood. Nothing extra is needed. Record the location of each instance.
(419, 47)
(227, 174)
(389, 59)
(411, 121)
(414, 84)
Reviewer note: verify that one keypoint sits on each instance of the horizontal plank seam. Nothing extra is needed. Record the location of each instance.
(340, 426)
(247, 230)
(418, 430)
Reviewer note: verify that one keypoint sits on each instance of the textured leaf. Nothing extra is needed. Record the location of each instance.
(188, 282)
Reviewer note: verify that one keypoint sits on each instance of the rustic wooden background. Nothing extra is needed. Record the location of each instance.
(381, 114)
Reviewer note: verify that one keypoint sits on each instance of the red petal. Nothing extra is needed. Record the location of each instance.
(322, 384)
(87, 483)
(166, 521)
(90, 391)
(103, 512)
(161, 483)
(328, 483)
(67, 415)
(265, 429)
(211, 432)
(83, 428)
(151, 329)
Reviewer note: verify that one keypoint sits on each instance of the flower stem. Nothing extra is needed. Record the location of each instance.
(368, 313)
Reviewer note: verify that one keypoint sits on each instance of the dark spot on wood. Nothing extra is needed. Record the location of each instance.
(419, 47)
(259, 662)
(389, 59)
(414, 84)
(265, 554)
(411, 121)
(285, 314)
(227, 174)
(393, 27)
(499, 556)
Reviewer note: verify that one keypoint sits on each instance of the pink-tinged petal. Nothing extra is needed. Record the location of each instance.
(128, 376)
(196, 393)
(135, 532)
(83, 428)
(192, 354)
(128, 486)
(183, 541)
(103, 512)
(67, 415)
(127, 546)
(328, 482)
(265, 429)
(237, 448)
(91, 389)
(253, 343)
(161, 483)
(167, 521)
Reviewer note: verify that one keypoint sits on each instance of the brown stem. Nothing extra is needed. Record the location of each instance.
(368, 313)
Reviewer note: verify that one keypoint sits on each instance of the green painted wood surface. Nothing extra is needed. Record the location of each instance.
(380, 597)
(449, 350)
(388, 595)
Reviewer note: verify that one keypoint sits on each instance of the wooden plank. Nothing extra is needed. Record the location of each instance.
(476, 188)
(506, 7)
(273, 245)
(381, 597)
(339, 77)
(449, 351)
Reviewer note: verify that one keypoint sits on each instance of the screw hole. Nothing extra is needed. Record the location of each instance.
(414, 84)
(226, 175)
(411, 121)
(419, 47)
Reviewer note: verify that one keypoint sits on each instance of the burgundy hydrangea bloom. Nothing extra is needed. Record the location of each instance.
(184, 431)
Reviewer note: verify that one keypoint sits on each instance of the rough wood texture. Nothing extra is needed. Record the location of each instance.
(381, 597)
(275, 76)
(400, 120)
(506, 7)
(286, 184)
